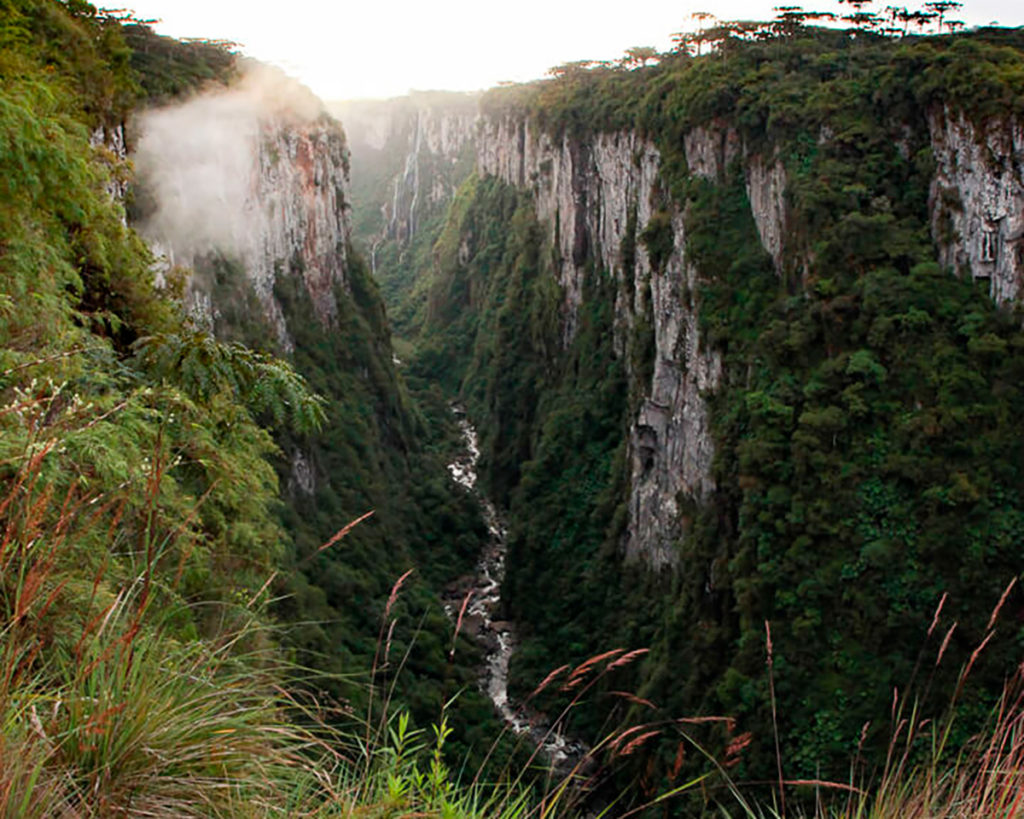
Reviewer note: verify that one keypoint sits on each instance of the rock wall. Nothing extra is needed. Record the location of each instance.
(434, 142)
(670, 444)
(257, 174)
(766, 190)
(590, 193)
(407, 157)
(586, 195)
(111, 142)
(595, 197)
(711, 149)
(296, 211)
(977, 200)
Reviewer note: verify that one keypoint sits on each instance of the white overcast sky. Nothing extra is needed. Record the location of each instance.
(382, 48)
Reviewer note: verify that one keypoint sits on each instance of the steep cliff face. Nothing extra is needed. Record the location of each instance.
(112, 140)
(297, 210)
(766, 190)
(587, 194)
(409, 156)
(711, 149)
(596, 195)
(977, 200)
(434, 142)
(595, 199)
(258, 175)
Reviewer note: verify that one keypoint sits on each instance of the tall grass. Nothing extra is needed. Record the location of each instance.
(104, 712)
(983, 780)
(924, 776)
(111, 705)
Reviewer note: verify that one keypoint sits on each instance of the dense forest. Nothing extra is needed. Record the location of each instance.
(748, 392)
(867, 505)
(152, 527)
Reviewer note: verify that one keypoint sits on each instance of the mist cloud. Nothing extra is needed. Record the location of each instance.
(196, 162)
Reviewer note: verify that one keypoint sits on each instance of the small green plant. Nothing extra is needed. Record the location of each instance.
(110, 707)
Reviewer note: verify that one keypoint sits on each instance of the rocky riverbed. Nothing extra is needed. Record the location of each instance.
(480, 620)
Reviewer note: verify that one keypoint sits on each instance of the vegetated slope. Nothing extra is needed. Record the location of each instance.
(285, 278)
(83, 322)
(114, 396)
(131, 452)
(726, 326)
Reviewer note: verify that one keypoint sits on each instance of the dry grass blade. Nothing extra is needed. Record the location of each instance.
(945, 644)
(342, 532)
(458, 622)
(999, 605)
(769, 661)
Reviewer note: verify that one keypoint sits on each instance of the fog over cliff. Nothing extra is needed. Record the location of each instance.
(256, 173)
(196, 160)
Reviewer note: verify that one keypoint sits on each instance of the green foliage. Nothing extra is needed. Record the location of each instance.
(81, 293)
(406, 773)
(833, 498)
(658, 239)
(80, 51)
(167, 68)
(64, 241)
(103, 708)
(372, 451)
(867, 452)
(866, 435)
(203, 367)
(779, 89)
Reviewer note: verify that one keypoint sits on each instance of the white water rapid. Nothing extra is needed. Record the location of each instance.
(497, 637)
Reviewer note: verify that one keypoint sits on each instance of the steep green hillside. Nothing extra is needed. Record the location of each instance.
(866, 426)
(100, 369)
(113, 401)
(137, 510)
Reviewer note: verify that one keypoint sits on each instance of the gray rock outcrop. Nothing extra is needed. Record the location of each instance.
(977, 200)
(594, 198)
(257, 174)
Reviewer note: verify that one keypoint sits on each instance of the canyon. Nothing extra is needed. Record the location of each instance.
(594, 196)
(625, 254)
(557, 283)
(625, 436)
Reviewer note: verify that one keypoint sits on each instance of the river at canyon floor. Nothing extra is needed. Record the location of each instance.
(496, 637)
